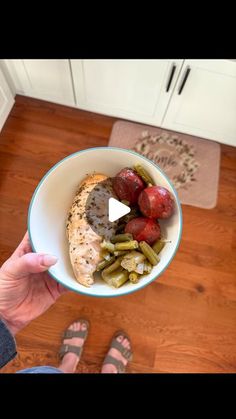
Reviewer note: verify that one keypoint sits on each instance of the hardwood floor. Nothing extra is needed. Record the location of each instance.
(185, 321)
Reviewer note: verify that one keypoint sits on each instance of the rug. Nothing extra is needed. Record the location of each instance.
(191, 163)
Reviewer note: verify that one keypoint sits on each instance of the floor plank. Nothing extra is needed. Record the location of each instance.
(183, 322)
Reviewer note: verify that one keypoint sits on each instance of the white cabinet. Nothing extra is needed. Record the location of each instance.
(6, 100)
(206, 106)
(196, 97)
(43, 79)
(132, 89)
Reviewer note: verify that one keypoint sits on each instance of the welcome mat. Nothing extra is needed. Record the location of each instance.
(191, 163)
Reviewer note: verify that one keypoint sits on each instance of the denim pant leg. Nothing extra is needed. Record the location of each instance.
(41, 370)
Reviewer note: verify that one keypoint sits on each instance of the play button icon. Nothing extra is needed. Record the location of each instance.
(102, 210)
(116, 209)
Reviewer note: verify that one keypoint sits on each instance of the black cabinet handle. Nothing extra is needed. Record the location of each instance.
(188, 69)
(172, 72)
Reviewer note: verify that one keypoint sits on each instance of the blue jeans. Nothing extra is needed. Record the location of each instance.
(41, 370)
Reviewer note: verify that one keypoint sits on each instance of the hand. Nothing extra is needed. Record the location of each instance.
(26, 289)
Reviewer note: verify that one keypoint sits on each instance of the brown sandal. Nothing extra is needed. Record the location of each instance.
(126, 353)
(69, 334)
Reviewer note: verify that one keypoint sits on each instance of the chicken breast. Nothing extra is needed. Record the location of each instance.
(88, 224)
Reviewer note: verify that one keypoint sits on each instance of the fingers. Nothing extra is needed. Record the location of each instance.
(29, 263)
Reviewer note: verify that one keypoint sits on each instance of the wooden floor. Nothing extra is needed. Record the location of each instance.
(185, 321)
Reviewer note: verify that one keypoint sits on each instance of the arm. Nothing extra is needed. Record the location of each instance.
(7, 344)
(26, 291)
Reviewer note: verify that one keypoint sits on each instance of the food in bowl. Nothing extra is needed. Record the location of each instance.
(85, 221)
(127, 185)
(121, 251)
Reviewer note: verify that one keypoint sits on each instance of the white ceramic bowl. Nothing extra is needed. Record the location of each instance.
(53, 198)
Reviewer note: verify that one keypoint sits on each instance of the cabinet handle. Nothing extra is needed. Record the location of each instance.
(172, 72)
(188, 69)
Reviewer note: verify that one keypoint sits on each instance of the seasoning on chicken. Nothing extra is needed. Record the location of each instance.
(88, 225)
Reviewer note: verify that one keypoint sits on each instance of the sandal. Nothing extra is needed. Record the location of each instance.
(69, 334)
(125, 352)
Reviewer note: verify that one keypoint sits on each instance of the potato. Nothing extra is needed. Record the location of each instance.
(127, 185)
(144, 229)
(156, 202)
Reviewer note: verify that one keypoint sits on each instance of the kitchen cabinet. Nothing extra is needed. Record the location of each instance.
(6, 100)
(138, 90)
(196, 97)
(203, 102)
(43, 79)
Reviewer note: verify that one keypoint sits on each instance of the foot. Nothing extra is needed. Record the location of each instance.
(115, 353)
(70, 360)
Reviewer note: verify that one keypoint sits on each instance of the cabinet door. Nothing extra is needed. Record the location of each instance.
(132, 89)
(6, 100)
(206, 107)
(43, 79)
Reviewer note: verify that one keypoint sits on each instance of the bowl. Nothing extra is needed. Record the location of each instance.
(53, 198)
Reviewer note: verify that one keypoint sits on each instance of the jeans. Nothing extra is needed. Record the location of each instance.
(41, 370)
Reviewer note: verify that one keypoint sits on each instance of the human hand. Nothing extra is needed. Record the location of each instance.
(26, 289)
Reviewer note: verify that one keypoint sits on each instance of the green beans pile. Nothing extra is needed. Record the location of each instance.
(124, 259)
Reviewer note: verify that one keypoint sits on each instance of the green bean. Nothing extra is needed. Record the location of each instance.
(120, 252)
(111, 268)
(131, 260)
(105, 254)
(125, 202)
(121, 238)
(158, 246)
(109, 277)
(144, 174)
(132, 214)
(119, 278)
(134, 210)
(147, 267)
(104, 263)
(121, 228)
(149, 253)
(108, 246)
(133, 277)
(129, 217)
(130, 245)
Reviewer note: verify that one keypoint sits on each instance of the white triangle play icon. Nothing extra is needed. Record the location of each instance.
(116, 209)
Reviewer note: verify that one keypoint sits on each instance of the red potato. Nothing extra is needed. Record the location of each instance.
(144, 229)
(127, 185)
(156, 202)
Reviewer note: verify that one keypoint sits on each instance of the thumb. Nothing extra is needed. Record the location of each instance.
(29, 264)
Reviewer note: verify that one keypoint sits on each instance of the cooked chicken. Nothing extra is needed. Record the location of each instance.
(88, 224)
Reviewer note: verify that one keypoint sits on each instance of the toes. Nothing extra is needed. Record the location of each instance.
(84, 326)
(125, 342)
(77, 326)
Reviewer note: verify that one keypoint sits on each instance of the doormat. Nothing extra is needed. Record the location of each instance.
(191, 163)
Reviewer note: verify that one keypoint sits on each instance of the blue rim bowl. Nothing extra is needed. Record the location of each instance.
(37, 216)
